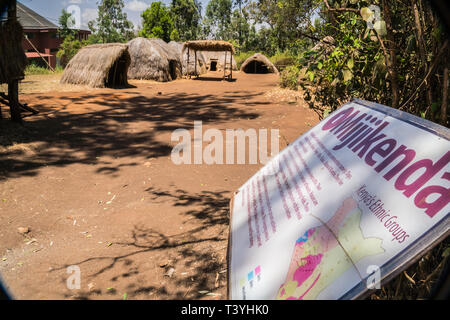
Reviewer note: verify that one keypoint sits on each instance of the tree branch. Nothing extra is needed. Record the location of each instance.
(430, 70)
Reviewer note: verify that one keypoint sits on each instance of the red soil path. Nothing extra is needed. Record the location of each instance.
(92, 178)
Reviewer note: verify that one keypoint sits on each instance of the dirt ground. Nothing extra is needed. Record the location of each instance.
(92, 178)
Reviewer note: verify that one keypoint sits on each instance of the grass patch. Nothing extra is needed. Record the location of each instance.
(241, 57)
(419, 280)
(289, 78)
(32, 69)
(281, 60)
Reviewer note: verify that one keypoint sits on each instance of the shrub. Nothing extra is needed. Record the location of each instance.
(289, 77)
(281, 60)
(241, 57)
(69, 48)
(34, 69)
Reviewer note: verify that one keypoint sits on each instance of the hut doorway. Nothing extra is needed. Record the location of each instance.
(213, 66)
(172, 69)
(117, 75)
(256, 67)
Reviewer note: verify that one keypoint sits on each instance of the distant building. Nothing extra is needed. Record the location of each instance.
(42, 34)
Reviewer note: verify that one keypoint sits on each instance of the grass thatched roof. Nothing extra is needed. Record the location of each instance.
(201, 61)
(177, 46)
(209, 45)
(153, 59)
(95, 66)
(220, 57)
(258, 58)
(12, 56)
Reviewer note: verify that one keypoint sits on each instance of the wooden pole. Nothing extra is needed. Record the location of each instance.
(39, 54)
(115, 74)
(225, 65)
(231, 65)
(195, 62)
(12, 11)
(187, 65)
(13, 94)
(5, 100)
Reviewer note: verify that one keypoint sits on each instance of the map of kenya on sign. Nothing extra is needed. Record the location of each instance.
(345, 207)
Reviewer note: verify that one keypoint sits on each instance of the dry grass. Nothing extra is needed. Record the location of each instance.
(151, 58)
(91, 65)
(287, 96)
(17, 139)
(45, 83)
(419, 279)
(209, 45)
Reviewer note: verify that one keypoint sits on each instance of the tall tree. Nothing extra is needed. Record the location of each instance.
(218, 19)
(70, 46)
(287, 19)
(112, 24)
(241, 30)
(239, 4)
(65, 22)
(157, 23)
(186, 15)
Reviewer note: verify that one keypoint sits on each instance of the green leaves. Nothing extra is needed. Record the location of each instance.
(350, 63)
(218, 18)
(66, 21)
(112, 22)
(186, 18)
(289, 78)
(157, 22)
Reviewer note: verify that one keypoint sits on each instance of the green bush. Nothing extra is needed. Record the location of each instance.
(289, 77)
(68, 49)
(282, 60)
(33, 69)
(241, 57)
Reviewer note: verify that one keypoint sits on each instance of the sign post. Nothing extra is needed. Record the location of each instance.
(348, 205)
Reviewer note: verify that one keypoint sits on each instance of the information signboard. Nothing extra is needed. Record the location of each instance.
(349, 204)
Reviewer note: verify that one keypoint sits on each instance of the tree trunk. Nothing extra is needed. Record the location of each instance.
(13, 95)
(444, 97)
(392, 60)
(422, 51)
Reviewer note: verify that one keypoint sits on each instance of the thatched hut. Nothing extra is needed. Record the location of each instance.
(12, 58)
(215, 60)
(195, 48)
(153, 59)
(99, 66)
(209, 45)
(201, 62)
(258, 63)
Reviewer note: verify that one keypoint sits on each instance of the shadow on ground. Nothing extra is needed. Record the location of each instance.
(117, 124)
(197, 256)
